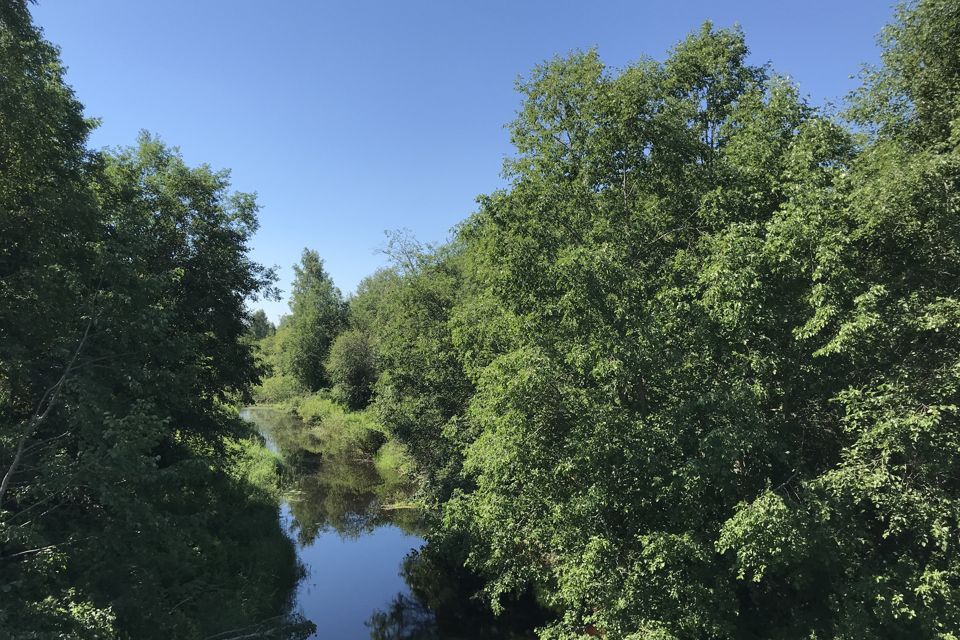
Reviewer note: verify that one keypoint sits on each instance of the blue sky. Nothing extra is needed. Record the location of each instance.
(350, 118)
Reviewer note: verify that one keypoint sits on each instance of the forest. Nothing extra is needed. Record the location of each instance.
(693, 374)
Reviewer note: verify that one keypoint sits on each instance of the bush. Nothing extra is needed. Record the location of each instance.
(277, 389)
(316, 406)
(256, 467)
(393, 462)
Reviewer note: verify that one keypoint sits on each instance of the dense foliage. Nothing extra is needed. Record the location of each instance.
(695, 372)
(134, 502)
(351, 368)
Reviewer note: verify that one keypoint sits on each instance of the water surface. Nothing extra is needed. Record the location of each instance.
(350, 537)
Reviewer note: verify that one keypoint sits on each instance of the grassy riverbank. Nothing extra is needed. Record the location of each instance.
(332, 428)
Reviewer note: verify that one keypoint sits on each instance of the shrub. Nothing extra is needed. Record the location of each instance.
(277, 389)
(338, 429)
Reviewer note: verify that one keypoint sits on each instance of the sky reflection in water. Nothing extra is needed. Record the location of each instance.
(351, 548)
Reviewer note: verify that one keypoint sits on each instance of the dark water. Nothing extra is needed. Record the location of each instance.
(350, 540)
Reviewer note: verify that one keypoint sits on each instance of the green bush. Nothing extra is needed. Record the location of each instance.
(277, 389)
(393, 462)
(256, 467)
(315, 407)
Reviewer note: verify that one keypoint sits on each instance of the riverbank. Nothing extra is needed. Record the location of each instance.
(328, 427)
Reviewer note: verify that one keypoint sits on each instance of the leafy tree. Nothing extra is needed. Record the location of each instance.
(351, 365)
(260, 325)
(912, 95)
(422, 390)
(127, 504)
(318, 314)
(47, 271)
(878, 246)
(698, 359)
(590, 412)
(369, 306)
(351, 368)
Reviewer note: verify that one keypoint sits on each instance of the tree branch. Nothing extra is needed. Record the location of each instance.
(50, 397)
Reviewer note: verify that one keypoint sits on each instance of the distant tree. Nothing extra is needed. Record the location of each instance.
(318, 314)
(351, 365)
(351, 368)
(369, 306)
(260, 325)
(406, 253)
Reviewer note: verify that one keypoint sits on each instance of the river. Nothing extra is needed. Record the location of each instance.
(367, 572)
(349, 541)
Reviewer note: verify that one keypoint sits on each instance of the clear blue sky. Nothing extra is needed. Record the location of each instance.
(349, 118)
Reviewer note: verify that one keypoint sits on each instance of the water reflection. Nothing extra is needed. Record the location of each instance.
(347, 496)
(443, 602)
(332, 488)
(369, 574)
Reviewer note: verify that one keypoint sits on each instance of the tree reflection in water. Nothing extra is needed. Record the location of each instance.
(329, 487)
(332, 488)
(444, 602)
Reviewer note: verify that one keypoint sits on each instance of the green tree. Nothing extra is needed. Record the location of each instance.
(698, 358)
(613, 389)
(48, 218)
(318, 314)
(127, 506)
(422, 390)
(351, 368)
(369, 306)
(878, 246)
(260, 325)
(351, 365)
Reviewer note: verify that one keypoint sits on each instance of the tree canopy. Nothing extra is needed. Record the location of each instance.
(128, 506)
(694, 372)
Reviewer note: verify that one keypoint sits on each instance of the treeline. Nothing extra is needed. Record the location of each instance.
(134, 503)
(695, 372)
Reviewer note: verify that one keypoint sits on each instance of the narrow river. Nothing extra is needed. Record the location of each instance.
(367, 572)
(350, 537)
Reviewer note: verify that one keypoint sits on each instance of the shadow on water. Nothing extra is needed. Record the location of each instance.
(369, 573)
(442, 603)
